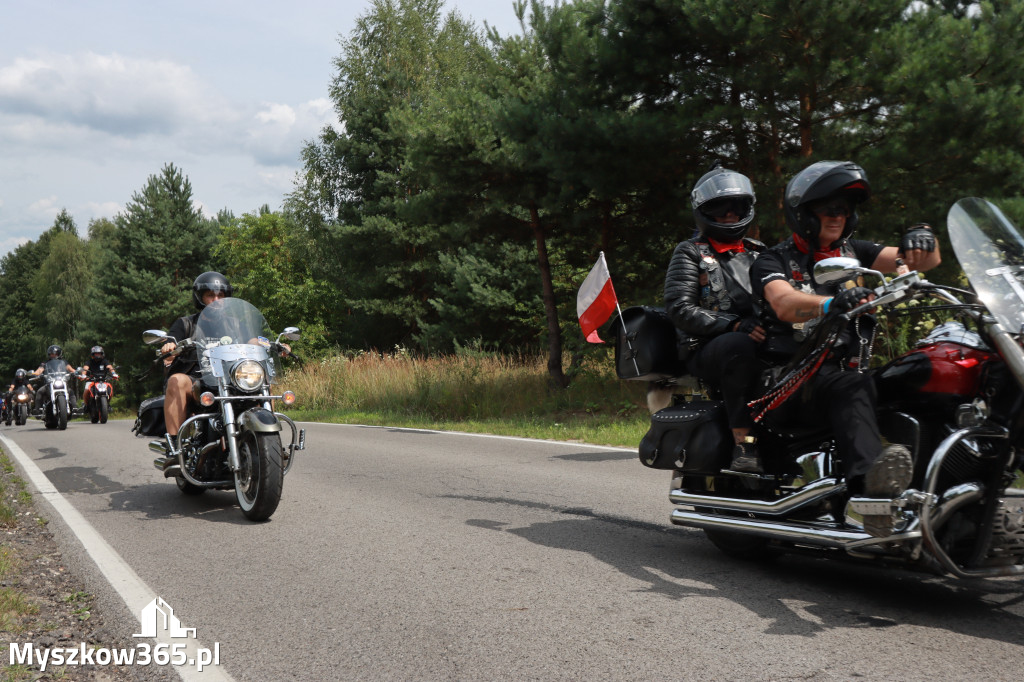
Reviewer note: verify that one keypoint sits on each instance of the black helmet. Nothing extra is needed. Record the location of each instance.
(819, 181)
(55, 350)
(20, 374)
(97, 351)
(716, 192)
(209, 281)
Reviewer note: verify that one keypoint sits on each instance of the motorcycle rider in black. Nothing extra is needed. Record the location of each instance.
(707, 296)
(182, 370)
(821, 209)
(55, 352)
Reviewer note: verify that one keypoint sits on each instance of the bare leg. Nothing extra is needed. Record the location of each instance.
(179, 387)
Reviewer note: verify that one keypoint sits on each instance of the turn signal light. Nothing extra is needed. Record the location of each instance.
(206, 399)
(288, 398)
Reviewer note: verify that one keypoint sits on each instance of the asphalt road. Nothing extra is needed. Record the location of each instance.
(403, 554)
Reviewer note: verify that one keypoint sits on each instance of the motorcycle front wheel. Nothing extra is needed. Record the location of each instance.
(62, 412)
(102, 409)
(259, 478)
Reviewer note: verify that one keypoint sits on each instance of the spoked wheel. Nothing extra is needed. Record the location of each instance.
(62, 412)
(259, 477)
(102, 409)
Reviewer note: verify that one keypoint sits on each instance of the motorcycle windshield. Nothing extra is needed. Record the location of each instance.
(231, 329)
(56, 368)
(990, 250)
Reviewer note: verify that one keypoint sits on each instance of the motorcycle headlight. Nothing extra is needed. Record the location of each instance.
(248, 375)
(22, 397)
(58, 384)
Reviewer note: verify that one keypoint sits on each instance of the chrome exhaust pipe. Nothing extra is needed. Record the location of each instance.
(835, 538)
(811, 493)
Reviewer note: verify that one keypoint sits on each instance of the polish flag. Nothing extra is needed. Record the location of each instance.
(596, 300)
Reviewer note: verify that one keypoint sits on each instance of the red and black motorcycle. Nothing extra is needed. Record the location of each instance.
(97, 395)
(955, 400)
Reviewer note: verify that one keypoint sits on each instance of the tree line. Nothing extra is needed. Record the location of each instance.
(474, 177)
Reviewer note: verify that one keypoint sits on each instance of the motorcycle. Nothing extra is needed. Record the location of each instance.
(955, 400)
(21, 402)
(97, 394)
(55, 408)
(6, 416)
(232, 440)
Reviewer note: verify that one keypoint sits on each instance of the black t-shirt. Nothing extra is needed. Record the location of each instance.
(97, 365)
(187, 362)
(786, 263)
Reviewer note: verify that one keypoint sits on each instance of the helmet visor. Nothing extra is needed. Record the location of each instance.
(722, 185)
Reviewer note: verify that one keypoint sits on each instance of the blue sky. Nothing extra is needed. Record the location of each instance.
(97, 96)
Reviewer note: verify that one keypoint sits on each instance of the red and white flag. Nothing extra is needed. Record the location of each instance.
(596, 300)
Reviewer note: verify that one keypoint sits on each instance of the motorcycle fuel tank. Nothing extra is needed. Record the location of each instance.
(943, 371)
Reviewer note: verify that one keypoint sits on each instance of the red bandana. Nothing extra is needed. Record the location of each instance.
(820, 254)
(722, 247)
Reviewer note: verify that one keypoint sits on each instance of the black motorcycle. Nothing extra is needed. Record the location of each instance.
(21, 404)
(955, 401)
(233, 438)
(54, 410)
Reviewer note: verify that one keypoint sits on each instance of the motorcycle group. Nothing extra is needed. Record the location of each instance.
(47, 393)
(780, 433)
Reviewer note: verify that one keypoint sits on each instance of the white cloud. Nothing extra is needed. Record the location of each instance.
(278, 131)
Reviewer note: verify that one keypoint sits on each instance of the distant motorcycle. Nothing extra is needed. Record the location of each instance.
(5, 409)
(21, 405)
(97, 394)
(55, 410)
(233, 438)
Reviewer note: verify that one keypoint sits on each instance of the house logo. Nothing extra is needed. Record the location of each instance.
(158, 617)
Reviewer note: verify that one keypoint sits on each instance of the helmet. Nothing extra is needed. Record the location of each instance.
(55, 350)
(96, 351)
(719, 190)
(824, 180)
(20, 374)
(208, 281)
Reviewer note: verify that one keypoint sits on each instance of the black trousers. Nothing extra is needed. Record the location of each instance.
(729, 364)
(846, 402)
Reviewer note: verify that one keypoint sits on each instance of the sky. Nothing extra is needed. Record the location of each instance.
(97, 96)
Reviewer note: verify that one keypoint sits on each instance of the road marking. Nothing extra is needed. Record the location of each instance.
(122, 577)
(478, 435)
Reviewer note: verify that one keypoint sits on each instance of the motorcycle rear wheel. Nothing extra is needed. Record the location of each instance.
(188, 488)
(62, 412)
(260, 475)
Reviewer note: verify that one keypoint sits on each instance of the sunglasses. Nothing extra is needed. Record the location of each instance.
(723, 207)
(834, 209)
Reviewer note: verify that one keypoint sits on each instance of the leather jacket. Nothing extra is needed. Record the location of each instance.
(706, 292)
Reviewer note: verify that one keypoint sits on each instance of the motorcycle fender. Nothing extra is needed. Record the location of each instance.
(259, 420)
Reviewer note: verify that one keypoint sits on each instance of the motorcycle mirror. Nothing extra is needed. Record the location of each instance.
(151, 336)
(837, 269)
(290, 333)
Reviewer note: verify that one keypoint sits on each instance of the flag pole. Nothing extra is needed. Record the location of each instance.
(625, 332)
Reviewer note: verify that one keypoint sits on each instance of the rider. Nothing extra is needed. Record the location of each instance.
(707, 296)
(98, 365)
(821, 209)
(54, 352)
(20, 379)
(182, 370)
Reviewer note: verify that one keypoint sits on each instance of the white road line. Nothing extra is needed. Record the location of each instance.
(132, 589)
(478, 435)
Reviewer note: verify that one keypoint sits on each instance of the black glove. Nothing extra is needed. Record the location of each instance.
(920, 236)
(746, 325)
(847, 300)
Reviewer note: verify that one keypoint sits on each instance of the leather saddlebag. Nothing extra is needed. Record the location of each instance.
(150, 421)
(647, 347)
(693, 437)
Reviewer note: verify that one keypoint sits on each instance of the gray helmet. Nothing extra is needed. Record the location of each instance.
(717, 192)
(20, 374)
(821, 181)
(55, 350)
(209, 281)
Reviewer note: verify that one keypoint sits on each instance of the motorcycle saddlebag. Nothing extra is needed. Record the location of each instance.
(151, 418)
(693, 437)
(647, 347)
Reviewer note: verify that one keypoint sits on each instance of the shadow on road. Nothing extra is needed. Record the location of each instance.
(797, 595)
(165, 501)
